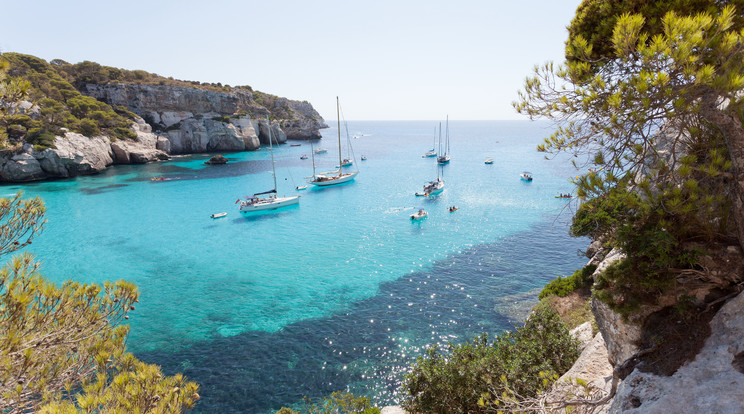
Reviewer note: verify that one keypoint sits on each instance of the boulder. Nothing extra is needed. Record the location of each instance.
(711, 383)
(583, 334)
(22, 167)
(621, 337)
(594, 369)
(216, 160)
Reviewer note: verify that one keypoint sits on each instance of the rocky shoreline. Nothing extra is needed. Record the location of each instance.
(170, 120)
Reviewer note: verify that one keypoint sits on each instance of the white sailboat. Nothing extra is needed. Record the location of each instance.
(333, 177)
(444, 158)
(256, 203)
(432, 152)
(433, 187)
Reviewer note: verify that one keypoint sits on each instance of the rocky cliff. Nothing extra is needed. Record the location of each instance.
(662, 362)
(76, 154)
(201, 120)
(84, 117)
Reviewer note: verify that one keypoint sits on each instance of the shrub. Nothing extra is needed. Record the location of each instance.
(88, 128)
(337, 403)
(225, 119)
(563, 286)
(466, 378)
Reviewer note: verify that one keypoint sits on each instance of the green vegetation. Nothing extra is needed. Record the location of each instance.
(562, 286)
(337, 403)
(60, 106)
(644, 106)
(62, 348)
(472, 377)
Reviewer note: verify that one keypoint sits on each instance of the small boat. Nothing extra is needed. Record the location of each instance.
(364, 158)
(295, 145)
(489, 161)
(453, 209)
(303, 157)
(321, 150)
(564, 196)
(301, 187)
(218, 215)
(347, 162)
(420, 214)
(526, 176)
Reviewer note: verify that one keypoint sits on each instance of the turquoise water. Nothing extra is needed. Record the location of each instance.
(341, 291)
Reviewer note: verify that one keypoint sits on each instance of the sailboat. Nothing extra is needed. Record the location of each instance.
(333, 177)
(444, 158)
(432, 152)
(271, 202)
(433, 187)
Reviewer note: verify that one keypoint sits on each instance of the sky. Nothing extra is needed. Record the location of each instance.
(385, 60)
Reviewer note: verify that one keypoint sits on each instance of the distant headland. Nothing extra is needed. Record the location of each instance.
(81, 118)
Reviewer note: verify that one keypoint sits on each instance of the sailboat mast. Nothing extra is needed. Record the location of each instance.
(312, 154)
(338, 116)
(440, 138)
(447, 149)
(271, 150)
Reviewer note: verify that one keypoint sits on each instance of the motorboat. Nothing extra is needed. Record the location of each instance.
(526, 176)
(489, 161)
(321, 150)
(420, 214)
(303, 157)
(218, 215)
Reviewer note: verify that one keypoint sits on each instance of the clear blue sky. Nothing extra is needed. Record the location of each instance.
(386, 60)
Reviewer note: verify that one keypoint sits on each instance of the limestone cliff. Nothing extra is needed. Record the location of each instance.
(75, 154)
(679, 376)
(202, 120)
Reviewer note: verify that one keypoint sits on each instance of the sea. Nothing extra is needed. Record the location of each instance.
(341, 292)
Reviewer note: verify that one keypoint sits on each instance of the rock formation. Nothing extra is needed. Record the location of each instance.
(75, 154)
(712, 383)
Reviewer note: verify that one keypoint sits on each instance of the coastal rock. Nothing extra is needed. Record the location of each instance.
(183, 114)
(80, 155)
(277, 135)
(591, 367)
(712, 383)
(392, 409)
(22, 167)
(583, 334)
(621, 337)
(207, 135)
(216, 160)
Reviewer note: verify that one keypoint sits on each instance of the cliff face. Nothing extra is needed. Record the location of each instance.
(199, 120)
(76, 154)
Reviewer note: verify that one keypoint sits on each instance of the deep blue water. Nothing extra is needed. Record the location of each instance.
(340, 292)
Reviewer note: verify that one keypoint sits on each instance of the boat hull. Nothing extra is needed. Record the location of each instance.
(443, 159)
(268, 204)
(343, 178)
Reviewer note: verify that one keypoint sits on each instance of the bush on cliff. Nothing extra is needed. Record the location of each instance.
(336, 403)
(62, 348)
(466, 378)
(61, 105)
(562, 286)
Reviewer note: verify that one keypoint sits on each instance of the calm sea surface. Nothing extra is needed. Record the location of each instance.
(341, 292)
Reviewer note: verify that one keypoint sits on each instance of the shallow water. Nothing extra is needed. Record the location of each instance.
(341, 291)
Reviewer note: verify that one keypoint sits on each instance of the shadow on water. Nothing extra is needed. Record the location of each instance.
(369, 347)
(101, 189)
(265, 214)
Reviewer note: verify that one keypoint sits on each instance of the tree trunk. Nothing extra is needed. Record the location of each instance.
(733, 132)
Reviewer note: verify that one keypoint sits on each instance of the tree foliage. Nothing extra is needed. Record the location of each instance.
(62, 349)
(653, 101)
(60, 105)
(467, 378)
